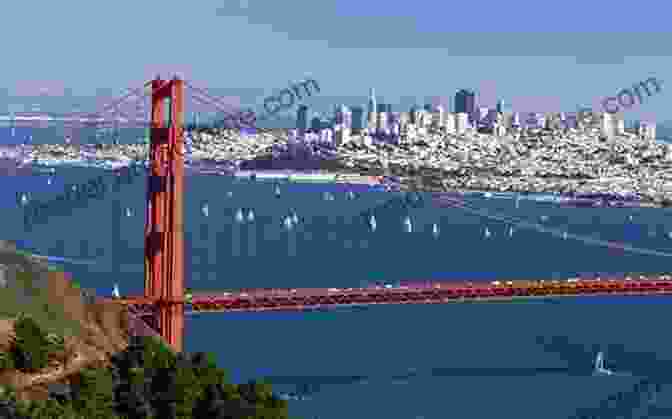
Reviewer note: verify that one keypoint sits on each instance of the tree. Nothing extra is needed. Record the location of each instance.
(30, 348)
(93, 391)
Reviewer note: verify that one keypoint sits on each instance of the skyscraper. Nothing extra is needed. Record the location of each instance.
(302, 119)
(316, 124)
(372, 101)
(372, 110)
(358, 119)
(465, 102)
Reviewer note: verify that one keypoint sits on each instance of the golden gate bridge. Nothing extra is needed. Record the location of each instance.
(161, 309)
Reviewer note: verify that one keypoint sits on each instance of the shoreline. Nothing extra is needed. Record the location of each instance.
(372, 180)
(624, 172)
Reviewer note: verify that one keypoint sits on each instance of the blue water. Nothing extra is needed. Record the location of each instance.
(361, 359)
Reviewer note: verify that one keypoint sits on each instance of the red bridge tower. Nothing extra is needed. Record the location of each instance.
(164, 252)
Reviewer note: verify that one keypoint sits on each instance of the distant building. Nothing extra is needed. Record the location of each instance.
(465, 102)
(415, 115)
(462, 122)
(607, 126)
(302, 119)
(571, 121)
(438, 117)
(502, 107)
(515, 120)
(646, 130)
(372, 110)
(449, 123)
(381, 123)
(316, 124)
(619, 126)
(358, 119)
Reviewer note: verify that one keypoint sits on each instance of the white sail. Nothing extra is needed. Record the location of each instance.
(435, 230)
(599, 368)
(115, 291)
(372, 223)
(288, 223)
(408, 226)
(295, 218)
(205, 210)
(239, 216)
(487, 233)
(250, 216)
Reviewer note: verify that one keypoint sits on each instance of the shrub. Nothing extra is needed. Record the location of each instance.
(6, 361)
(93, 391)
(30, 349)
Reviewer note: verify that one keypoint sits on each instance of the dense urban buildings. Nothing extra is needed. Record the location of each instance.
(378, 122)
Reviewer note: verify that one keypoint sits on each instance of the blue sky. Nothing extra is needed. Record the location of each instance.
(562, 55)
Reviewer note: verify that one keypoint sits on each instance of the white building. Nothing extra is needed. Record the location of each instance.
(438, 119)
(646, 130)
(461, 123)
(620, 127)
(449, 122)
(607, 125)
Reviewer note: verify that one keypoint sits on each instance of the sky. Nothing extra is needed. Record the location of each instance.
(537, 56)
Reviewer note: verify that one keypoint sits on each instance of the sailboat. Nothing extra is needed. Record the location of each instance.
(564, 235)
(277, 191)
(128, 212)
(408, 226)
(288, 222)
(250, 216)
(510, 231)
(23, 200)
(350, 195)
(229, 194)
(115, 291)
(487, 233)
(372, 222)
(435, 230)
(295, 218)
(205, 210)
(599, 366)
(239, 216)
(49, 181)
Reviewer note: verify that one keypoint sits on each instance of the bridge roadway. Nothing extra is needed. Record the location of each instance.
(409, 293)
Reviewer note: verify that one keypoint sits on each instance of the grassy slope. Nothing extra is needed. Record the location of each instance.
(27, 293)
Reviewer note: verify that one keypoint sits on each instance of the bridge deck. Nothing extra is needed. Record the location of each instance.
(418, 293)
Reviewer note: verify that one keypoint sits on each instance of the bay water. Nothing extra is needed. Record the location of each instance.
(412, 361)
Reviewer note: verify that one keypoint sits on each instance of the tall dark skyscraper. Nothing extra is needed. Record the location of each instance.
(465, 102)
(316, 124)
(358, 118)
(302, 118)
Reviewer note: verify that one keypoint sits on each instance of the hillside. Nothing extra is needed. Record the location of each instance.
(92, 331)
